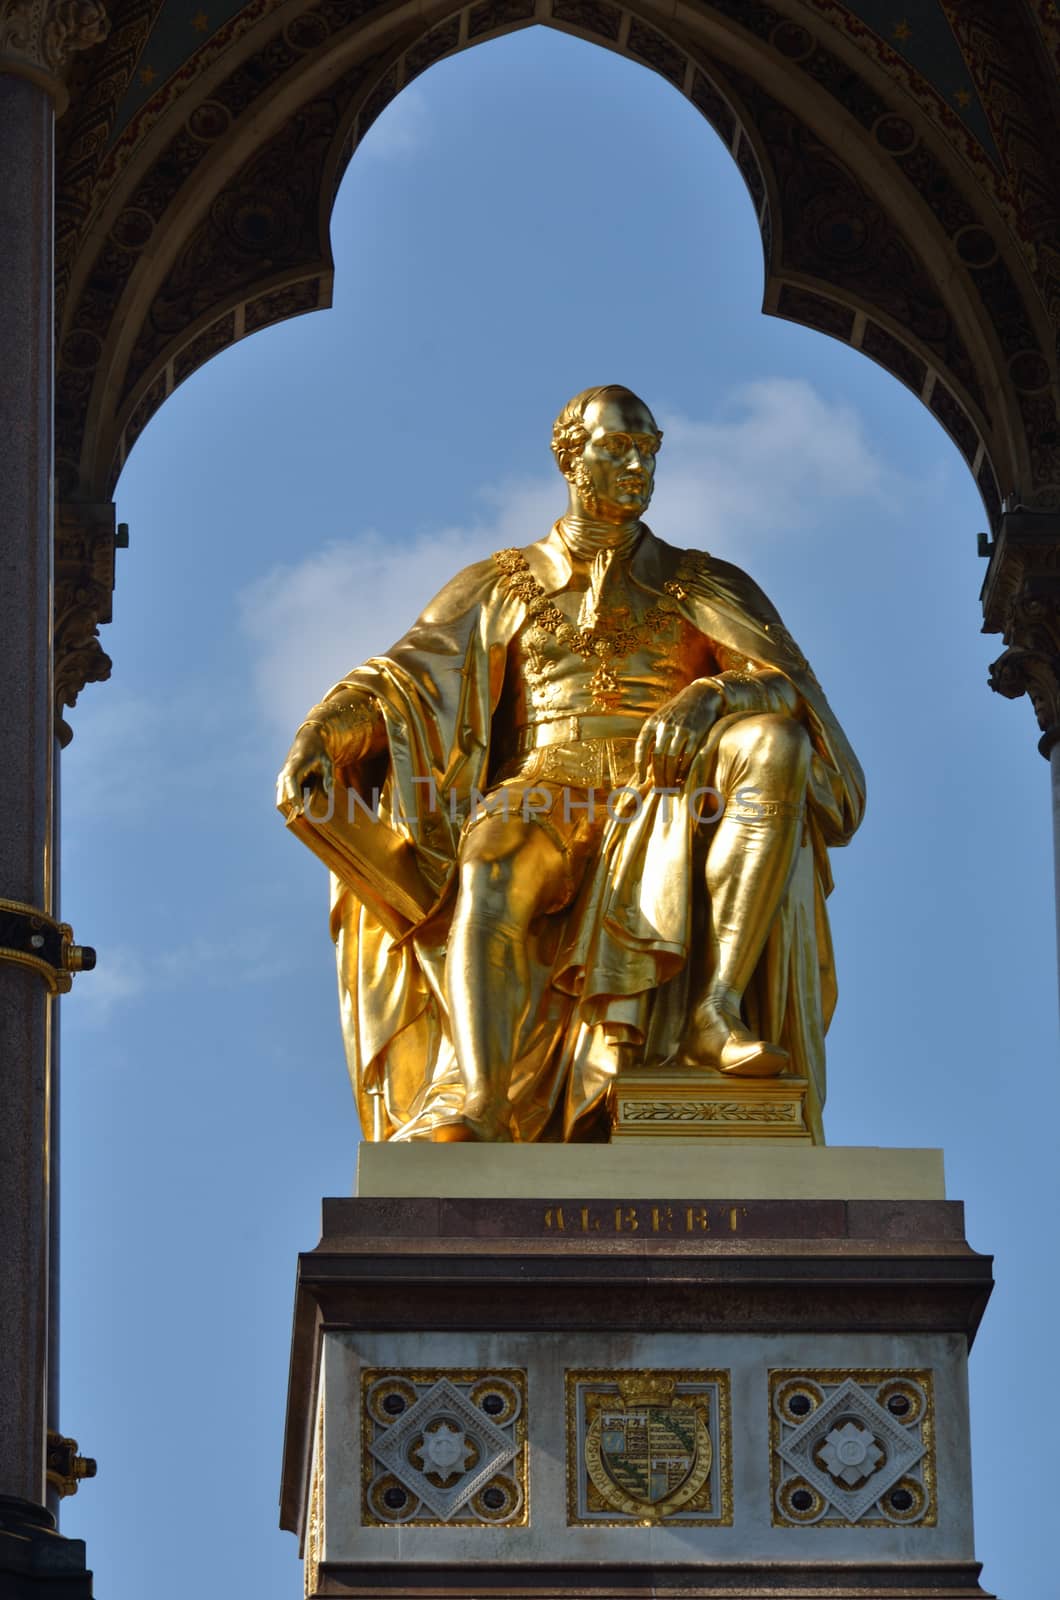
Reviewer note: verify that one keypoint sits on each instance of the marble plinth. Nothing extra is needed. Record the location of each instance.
(615, 1397)
(741, 1169)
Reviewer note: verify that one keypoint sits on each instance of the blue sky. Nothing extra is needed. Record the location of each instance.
(529, 218)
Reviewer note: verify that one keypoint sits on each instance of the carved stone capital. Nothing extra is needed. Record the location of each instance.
(1021, 601)
(85, 541)
(38, 37)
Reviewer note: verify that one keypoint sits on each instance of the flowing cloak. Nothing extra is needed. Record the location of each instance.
(619, 965)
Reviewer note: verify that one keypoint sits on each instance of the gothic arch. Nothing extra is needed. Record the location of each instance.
(919, 238)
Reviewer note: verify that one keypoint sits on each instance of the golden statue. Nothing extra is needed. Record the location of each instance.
(584, 803)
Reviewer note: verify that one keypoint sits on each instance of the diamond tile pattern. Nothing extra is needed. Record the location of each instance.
(864, 1450)
(445, 1405)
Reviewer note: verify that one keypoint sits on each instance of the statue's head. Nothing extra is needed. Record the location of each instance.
(605, 441)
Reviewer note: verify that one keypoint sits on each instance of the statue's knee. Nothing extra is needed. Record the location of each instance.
(769, 743)
(492, 841)
(486, 888)
(505, 869)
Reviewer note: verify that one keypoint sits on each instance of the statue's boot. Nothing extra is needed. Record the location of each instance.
(717, 1038)
(491, 1125)
(749, 866)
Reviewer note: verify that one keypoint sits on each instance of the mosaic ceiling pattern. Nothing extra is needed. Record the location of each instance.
(198, 268)
(920, 32)
(917, 29)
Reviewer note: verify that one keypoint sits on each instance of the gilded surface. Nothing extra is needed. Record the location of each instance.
(314, 1538)
(653, 1104)
(603, 784)
(870, 1442)
(444, 1447)
(648, 1446)
(708, 1111)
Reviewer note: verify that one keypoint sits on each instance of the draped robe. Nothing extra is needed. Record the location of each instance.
(625, 961)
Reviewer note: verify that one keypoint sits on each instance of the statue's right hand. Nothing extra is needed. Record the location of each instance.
(308, 766)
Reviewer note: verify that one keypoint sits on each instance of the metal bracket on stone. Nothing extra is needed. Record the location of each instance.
(66, 1469)
(1021, 601)
(30, 938)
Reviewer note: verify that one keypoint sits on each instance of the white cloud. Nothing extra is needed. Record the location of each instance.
(115, 739)
(250, 955)
(119, 977)
(135, 755)
(778, 453)
(123, 974)
(310, 623)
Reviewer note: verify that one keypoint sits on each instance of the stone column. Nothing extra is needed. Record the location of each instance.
(26, 137)
(36, 39)
(1021, 601)
(85, 541)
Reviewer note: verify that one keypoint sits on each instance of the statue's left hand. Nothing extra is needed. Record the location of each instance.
(672, 735)
(308, 765)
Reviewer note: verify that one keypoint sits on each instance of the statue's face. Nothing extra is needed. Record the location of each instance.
(615, 474)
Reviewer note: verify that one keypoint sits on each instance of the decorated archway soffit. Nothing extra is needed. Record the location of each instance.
(918, 33)
(218, 135)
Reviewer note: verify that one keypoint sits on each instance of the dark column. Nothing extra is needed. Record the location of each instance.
(34, 45)
(1021, 601)
(84, 545)
(27, 121)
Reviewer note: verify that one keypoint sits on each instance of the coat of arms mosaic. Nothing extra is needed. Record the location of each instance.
(647, 1446)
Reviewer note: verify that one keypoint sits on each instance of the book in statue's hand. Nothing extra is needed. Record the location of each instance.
(368, 855)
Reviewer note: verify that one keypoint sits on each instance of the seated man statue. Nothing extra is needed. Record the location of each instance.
(616, 777)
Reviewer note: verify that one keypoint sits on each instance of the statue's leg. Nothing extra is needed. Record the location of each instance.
(511, 869)
(749, 866)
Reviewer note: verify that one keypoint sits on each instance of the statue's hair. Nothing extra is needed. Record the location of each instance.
(569, 433)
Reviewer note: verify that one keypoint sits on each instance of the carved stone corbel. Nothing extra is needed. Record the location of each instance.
(38, 37)
(85, 541)
(1021, 601)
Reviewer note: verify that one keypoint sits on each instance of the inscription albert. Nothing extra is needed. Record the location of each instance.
(677, 1218)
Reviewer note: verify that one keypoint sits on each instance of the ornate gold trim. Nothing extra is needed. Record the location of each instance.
(650, 1104)
(58, 958)
(315, 1520)
(608, 647)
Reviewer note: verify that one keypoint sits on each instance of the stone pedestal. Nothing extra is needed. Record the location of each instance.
(562, 1395)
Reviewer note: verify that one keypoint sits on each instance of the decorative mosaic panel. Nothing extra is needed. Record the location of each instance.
(648, 1446)
(443, 1446)
(853, 1446)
